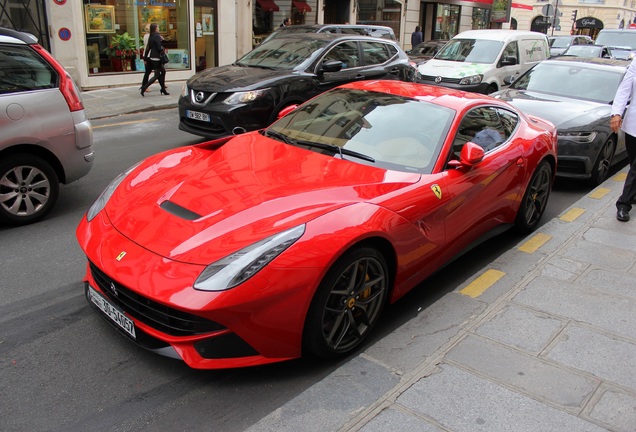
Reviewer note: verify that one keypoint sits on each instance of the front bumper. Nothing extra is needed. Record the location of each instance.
(576, 160)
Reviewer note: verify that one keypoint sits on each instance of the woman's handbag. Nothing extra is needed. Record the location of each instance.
(164, 57)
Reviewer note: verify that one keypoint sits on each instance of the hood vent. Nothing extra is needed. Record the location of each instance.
(179, 211)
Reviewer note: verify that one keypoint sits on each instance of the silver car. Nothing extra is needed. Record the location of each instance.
(45, 137)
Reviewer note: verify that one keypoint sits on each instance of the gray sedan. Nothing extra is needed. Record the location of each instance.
(576, 95)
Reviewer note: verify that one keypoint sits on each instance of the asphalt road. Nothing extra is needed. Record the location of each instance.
(63, 368)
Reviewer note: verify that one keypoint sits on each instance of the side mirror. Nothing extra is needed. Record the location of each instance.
(470, 155)
(330, 66)
(509, 61)
(286, 111)
(509, 80)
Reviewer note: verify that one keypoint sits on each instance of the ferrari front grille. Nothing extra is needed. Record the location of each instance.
(158, 316)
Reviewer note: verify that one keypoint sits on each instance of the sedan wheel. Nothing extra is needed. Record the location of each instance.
(535, 200)
(28, 189)
(347, 304)
(601, 168)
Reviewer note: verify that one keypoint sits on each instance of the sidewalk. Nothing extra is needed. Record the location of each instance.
(542, 339)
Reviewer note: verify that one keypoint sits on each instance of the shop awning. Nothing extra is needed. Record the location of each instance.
(301, 6)
(268, 5)
(589, 22)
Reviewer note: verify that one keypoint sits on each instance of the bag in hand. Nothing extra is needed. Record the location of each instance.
(164, 57)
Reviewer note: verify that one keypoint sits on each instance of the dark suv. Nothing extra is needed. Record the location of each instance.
(45, 137)
(250, 93)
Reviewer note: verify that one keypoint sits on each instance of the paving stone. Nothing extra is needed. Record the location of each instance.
(564, 269)
(608, 358)
(618, 409)
(522, 328)
(615, 283)
(398, 421)
(611, 258)
(527, 373)
(568, 300)
(613, 238)
(464, 402)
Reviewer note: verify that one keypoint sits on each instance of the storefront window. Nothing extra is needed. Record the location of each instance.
(263, 20)
(380, 12)
(205, 23)
(115, 30)
(447, 21)
(481, 18)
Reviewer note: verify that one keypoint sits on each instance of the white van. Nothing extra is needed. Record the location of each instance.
(479, 60)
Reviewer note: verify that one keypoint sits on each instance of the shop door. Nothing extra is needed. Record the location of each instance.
(205, 25)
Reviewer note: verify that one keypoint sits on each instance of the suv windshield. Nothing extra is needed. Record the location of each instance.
(281, 53)
(617, 39)
(470, 50)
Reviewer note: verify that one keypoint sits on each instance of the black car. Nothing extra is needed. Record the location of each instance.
(250, 93)
(575, 94)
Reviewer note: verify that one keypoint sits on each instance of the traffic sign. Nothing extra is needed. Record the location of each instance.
(556, 23)
(547, 10)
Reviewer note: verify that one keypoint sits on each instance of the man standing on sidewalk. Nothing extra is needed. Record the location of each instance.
(626, 91)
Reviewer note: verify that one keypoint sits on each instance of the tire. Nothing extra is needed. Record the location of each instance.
(535, 199)
(29, 188)
(347, 304)
(601, 168)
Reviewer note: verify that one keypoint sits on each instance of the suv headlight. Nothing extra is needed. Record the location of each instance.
(235, 269)
(474, 79)
(579, 137)
(245, 97)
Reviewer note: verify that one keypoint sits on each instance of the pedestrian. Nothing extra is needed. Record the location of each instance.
(416, 36)
(623, 117)
(152, 54)
(286, 22)
(147, 66)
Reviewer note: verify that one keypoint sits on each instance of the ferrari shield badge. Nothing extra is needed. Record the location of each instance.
(437, 190)
(121, 255)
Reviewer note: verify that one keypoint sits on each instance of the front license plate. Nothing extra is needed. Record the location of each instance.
(112, 312)
(198, 116)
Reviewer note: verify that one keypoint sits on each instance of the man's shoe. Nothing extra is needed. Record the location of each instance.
(622, 215)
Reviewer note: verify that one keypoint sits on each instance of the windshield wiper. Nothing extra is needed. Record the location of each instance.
(284, 138)
(337, 149)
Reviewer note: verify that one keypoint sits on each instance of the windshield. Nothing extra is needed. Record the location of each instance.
(380, 129)
(572, 80)
(281, 53)
(560, 42)
(584, 51)
(618, 39)
(470, 50)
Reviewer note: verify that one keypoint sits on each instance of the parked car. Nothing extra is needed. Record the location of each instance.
(480, 60)
(588, 51)
(617, 38)
(45, 137)
(378, 31)
(290, 240)
(281, 72)
(576, 95)
(558, 44)
(425, 51)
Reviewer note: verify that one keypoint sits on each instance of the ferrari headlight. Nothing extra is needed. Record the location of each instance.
(235, 269)
(474, 79)
(103, 198)
(579, 137)
(245, 97)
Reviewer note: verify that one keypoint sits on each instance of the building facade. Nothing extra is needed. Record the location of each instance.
(99, 42)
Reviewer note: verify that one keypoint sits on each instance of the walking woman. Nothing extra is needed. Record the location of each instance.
(152, 55)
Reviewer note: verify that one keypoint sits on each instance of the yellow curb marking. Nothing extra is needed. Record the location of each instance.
(482, 283)
(124, 123)
(572, 214)
(534, 243)
(620, 177)
(599, 193)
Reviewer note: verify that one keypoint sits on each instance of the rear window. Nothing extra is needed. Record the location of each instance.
(21, 70)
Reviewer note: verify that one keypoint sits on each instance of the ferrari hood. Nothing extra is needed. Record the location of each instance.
(232, 78)
(198, 205)
(558, 110)
(451, 69)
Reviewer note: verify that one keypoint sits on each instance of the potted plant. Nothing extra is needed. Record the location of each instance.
(121, 50)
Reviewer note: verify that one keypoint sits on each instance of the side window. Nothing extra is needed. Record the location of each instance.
(22, 70)
(488, 127)
(377, 53)
(511, 50)
(347, 53)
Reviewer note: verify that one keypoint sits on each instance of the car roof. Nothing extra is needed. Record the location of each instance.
(607, 63)
(498, 34)
(13, 36)
(333, 36)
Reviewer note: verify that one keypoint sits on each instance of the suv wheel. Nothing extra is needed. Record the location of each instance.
(29, 189)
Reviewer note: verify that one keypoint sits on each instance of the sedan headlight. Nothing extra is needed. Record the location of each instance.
(245, 97)
(474, 79)
(579, 137)
(235, 269)
(103, 198)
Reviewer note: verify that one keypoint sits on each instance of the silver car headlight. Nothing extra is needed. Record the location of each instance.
(235, 269)
(579, 137)
(245, 97)
(474, 79)
(103, 198)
